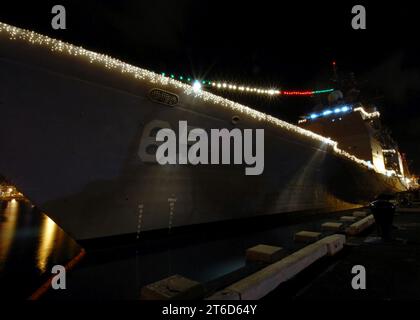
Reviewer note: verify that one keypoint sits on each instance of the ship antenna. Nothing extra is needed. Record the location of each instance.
(335, 76)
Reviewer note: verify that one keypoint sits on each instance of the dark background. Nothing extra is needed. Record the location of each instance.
(287, 45)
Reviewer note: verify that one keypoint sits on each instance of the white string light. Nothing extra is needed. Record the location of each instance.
(367, 115)
(108, 62)
(242, 88)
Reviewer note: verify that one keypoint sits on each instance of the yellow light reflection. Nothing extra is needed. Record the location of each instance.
(7, 230)
(46, 243)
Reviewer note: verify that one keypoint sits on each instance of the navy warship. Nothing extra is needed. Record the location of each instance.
(77, 137)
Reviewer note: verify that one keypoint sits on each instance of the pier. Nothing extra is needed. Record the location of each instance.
(308, 257)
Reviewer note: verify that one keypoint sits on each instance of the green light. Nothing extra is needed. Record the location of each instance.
(181, 78)
(323, 91)
(163, 73)
(189, 79)
(172, 76)
(204, 82)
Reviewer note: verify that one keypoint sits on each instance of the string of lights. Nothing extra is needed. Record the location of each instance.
(114, 65)
(246, 89)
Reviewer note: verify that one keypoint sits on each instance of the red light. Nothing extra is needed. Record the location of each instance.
(333, 63)
(297, 93)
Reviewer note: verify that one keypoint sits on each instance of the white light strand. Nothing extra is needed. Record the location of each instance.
(139, 73)
(247, 89)
(367, 115)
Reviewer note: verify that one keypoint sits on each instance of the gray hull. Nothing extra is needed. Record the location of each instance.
(70, 136)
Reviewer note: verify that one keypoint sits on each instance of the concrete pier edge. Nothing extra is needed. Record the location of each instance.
(262, 282)
(360, 225)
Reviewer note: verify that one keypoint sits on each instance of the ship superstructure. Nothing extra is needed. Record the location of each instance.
(358, 130)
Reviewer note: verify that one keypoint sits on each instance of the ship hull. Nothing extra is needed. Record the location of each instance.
(71, 140)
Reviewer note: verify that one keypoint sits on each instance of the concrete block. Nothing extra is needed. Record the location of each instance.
(267, 279)
(262, 282)
(265, 253)
(348, 218)
(225, 294)
(334, 243)
(307, 236)
(175, 287)
(360, 225)
(359, 214)
(332, 226)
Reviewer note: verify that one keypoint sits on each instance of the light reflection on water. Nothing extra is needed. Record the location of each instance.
(7, 230)
(46, 242)
(30, 244)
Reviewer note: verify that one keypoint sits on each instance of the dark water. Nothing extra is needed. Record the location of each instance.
(31, 243)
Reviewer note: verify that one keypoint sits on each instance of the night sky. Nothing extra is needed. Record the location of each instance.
(288, 45)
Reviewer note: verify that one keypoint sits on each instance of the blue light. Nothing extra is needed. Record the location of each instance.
(327, 112)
